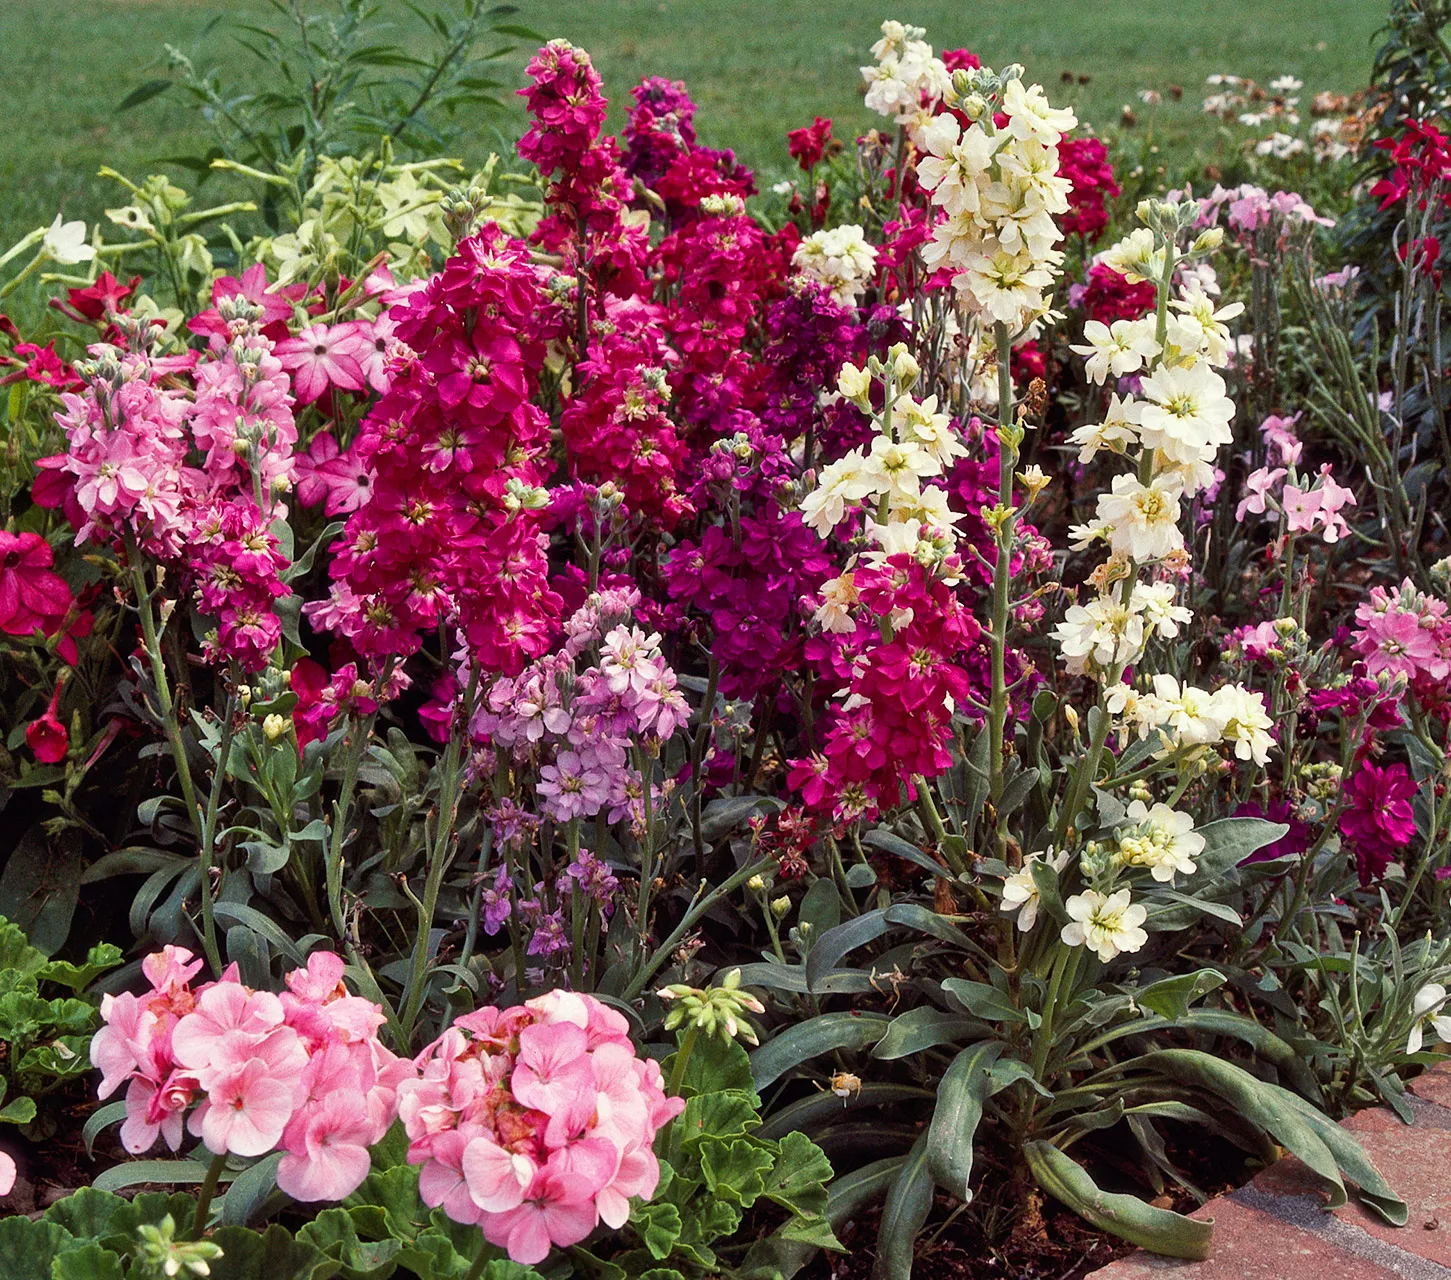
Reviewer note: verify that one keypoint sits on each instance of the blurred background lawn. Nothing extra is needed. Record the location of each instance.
(756, 67)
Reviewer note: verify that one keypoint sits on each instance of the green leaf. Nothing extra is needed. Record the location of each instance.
(1171, 997)
(388, 1201)
(86, 1213)
(823, 1107)
(239, 913)
(835, 943)
(149, 1208)
(1158, 1230)
(40, 886)
(965, 1086)
(1269, 1108)
(735, 1170)
(899, 848)
(18, 1111)
(658, 1225)
(985, 1001)
(798, 1180)
(926, 1028)
(716, 1066)
(432, 1256)
(334, 1233)
(718, 1115)
(136, 1172)
(98, 960)
(1350, 1156)
(249, 1189)
(17, 957)
(270, 1255)
(99, 1119)
(28, 1248)
(1229, 841)
(908, 1204)
(805, 1040)
(142, 93)
(89, 1262)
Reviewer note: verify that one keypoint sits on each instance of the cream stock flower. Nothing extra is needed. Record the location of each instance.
(1031, 115)
(1242, 712)
(1117, 431)
(1108, 925)
(1186, 414)
(1020, 890)
(1118, 349)
(843, 481)
(1161, 840)
(1134, 257)
(1142, 520)
(1428, 1009)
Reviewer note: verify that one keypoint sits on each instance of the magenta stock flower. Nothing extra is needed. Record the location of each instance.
(1378, 821)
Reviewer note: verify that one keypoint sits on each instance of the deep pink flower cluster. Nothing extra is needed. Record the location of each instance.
(807, 145)
(659, 128)
(896, 723)
(1421, 157)
(450, 536)
(237, 567)
(32, 596)
(1084, 162)
(303, 1071)
(749, 582)
(321, 698)
(616, 426)
(536, 1123)
(1377, 820)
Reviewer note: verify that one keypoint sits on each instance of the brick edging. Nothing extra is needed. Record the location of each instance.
(1277, 1227)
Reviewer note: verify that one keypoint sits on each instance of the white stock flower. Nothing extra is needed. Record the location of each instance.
(1143, 520)
(1115, 350)
(1186, 414)
(1428, 1009)
(1099, 635)
(1117, 431)
(838, 595)
(1155, 600)
(1020, 890)
(843, 481)
(1031, 115)
(839, 258)
(1008, 286)
(897, 468)
(1134, 257)
(921, 424)
(1161, 840)
(1190, 713)
(1108, 925)
(1245, 722)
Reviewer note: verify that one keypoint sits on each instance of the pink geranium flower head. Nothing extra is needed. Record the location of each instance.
(246, 1110)
(334, 1158)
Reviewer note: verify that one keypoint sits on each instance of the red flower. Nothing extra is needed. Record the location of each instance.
(808, 145)
(97, 301)
(47, 737)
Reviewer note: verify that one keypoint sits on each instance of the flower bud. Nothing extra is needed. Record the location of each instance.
(274, 726)
(904, 364)
(780, 907)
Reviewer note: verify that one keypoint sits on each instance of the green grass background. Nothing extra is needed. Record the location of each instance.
(757, 68)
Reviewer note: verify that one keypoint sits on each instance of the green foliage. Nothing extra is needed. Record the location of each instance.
(47, 1038)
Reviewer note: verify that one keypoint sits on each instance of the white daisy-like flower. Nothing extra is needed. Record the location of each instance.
(1109, 925)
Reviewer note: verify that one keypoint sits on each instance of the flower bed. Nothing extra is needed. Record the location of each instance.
(487, 649)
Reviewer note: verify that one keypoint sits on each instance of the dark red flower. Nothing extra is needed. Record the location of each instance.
(47, 736)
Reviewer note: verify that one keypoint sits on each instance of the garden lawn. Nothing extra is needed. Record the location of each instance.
(757, 69)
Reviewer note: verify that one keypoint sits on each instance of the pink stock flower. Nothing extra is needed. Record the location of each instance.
(1258, 485)
(7, 1173)
(1302, 508)
(320, 357)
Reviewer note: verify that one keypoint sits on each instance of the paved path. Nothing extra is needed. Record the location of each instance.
(1276, 1228)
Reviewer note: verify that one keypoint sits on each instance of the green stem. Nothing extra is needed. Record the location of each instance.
(352, 758)
(1002, 576)
(204, 1196)
(209, 836)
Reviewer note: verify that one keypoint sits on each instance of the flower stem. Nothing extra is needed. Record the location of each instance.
(205, 1195)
